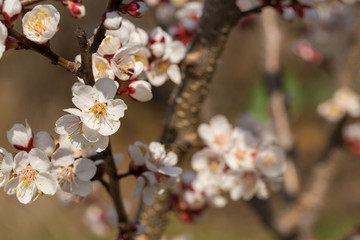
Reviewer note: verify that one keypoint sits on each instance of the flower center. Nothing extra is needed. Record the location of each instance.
(28, 175)
(99, 109)
(101, 68)
(67, 174)
(38, 22)
(220, 140)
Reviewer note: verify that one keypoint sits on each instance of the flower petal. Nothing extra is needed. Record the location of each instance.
(39, 160)
(84, 169)
(46, 183)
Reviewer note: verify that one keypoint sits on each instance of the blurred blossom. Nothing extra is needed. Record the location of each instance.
(351, 136)
(344, 102)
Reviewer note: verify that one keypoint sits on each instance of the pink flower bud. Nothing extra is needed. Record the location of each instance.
(136, 8)
(11, 9)
(76, 8)
(140, 91)
(112, 20)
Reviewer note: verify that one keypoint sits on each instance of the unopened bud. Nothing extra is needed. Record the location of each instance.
(76, 8)
(112, 20)
(136, 8)
(11, 9)
(140, 90)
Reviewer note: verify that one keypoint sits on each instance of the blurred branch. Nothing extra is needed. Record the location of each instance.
(277, 98)
(45, 51)
(302, 216)
(354, 234)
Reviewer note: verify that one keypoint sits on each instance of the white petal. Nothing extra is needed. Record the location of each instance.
(175, 52)
(21, 161)
(140, 184)
(11, 186)
(142, 91)
(84, 169)
(46, 183)
(73, 111)
(148, 196)
(19, 135)
(106, 87)
(62, 157)
(83, 97)
(171, 171)
(116, 109)
(39, 160)
(82, 188)
(109, 127)
(45, 142)
(27, 194)
(67, 124)
(174, 74)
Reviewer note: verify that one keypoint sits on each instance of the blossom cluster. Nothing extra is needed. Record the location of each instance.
(344, 102)
(154, 169)
(42, 166)
(233, 161)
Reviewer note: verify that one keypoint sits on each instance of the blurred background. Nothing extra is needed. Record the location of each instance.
(34, 90)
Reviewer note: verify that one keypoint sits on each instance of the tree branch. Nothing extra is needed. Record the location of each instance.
(45, 51)
(86, 57)
(114, 185)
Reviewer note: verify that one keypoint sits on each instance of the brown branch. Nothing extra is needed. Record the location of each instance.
(86, 58)
(182, 118)
(45, 51)
(114, 185)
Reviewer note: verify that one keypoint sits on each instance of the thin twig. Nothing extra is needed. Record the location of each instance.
(45, 51)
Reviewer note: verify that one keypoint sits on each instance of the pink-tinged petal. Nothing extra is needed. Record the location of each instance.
(84, 169)
(46, 183)
(11, 186)
(19, 135)
(106, 87)
(21, 161)
(83, 97)
(116, 109)
(140, 184)
(45, 142)
(39, 160)
(157, 49)
(11, 9)
(73, 111)
(67, 124)
(82, 188)
(157, 150)
(138, 152)
(62, 158)
(174, 73)
(171, 171)
(28, 194)
(142, 91)
(109, 127)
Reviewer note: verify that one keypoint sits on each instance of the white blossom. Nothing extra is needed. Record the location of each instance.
(3, 37)
(32, 177)
(20, 136)
(41, 23)
(73, 175)
(99, 111)
(6, 166)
